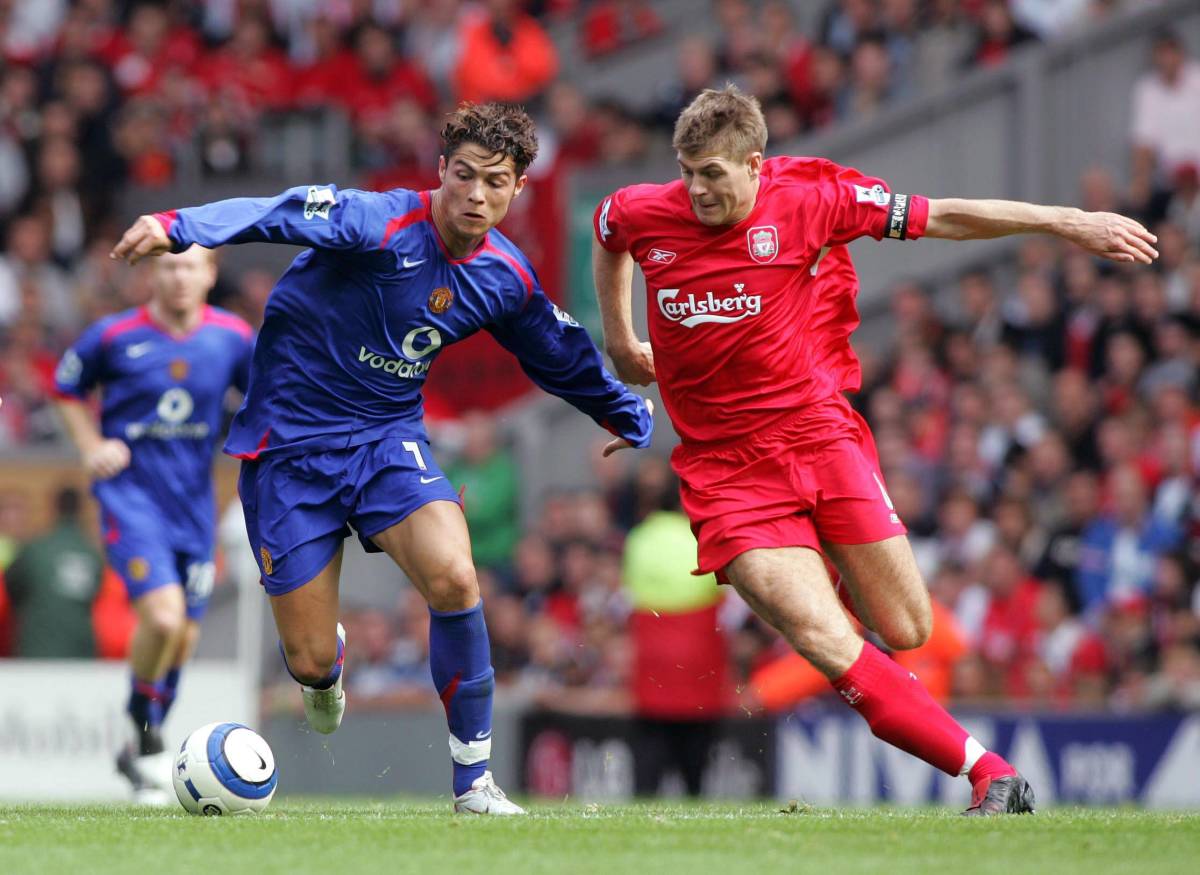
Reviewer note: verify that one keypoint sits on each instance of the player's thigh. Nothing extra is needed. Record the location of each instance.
(307, 617)
(888, 590)
(148, 569)
(433, 548)
(296, 512)
(790, 589)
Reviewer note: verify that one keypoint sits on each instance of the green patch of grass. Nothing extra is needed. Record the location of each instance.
(349, 836)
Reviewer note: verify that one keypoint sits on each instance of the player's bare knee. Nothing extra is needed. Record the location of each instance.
(806, 630)
(166, 621)
(311, 663)
(907, 630)
(454, 588)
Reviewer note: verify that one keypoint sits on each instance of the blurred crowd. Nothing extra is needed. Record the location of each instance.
(99, 96)
(1039, 432)
(1036, 419)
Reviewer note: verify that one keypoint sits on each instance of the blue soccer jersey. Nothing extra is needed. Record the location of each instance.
(162, 395)
(355, 323)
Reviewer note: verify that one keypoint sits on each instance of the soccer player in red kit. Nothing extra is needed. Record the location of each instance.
(751, 306)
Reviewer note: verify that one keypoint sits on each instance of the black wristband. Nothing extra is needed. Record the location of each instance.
(897, 226)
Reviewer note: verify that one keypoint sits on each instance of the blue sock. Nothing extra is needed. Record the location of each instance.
(145, 703)
(460, 660)
(146, 710)
(170, 683)
(330, 679)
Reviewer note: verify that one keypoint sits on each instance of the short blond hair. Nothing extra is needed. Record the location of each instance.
(724, 122)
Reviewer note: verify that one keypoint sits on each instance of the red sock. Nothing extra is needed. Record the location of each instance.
(989, 766)
(901, 712)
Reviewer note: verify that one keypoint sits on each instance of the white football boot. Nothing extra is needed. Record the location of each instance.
(149, 776)
(485, 797)
(324, 708)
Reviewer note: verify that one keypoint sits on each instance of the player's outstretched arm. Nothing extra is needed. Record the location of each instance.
(315, 215)
(146, 236)
(558, 354)
(1109, 235)
(622, 443)
(102, 457)
(612, 273)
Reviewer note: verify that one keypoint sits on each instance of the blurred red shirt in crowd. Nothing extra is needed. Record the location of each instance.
(504, 55)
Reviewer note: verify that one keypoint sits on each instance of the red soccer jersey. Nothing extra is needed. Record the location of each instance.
(750, 322)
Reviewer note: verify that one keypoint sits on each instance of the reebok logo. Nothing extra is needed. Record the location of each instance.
(662, 256)
(693, 310)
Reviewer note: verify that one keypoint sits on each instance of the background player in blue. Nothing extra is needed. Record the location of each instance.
(163, 370)
(331, 429)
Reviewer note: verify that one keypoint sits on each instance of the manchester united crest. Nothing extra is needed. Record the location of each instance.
(763, 242)
(179, 370)
(268, 563)
(440, 300)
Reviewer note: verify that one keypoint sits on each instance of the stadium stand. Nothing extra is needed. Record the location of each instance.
(1036, 413)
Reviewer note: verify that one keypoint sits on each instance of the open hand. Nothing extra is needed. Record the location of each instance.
(1112, 236)
(145, 237)
(620, 443)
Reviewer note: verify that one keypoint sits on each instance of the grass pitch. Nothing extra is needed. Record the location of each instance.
(350, 836)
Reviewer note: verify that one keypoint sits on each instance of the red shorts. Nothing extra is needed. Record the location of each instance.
(812, 478)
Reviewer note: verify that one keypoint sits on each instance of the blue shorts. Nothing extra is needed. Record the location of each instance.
(145, 562)
(300, 508)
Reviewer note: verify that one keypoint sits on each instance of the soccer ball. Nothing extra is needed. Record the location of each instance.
(224, 768)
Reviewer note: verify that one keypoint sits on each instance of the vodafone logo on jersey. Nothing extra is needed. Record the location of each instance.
(695, 309)
(418, 343)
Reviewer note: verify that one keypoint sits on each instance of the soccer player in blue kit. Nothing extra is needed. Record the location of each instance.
(164, 370)
(331, 430)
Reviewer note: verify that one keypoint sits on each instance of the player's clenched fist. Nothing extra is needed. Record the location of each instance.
(145, 237)
(107, 459)
(1112, 236)
(633, 363)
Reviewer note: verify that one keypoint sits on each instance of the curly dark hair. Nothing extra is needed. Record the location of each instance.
(497, 127)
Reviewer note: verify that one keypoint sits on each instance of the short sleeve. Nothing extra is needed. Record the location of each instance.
(864, 206)
(610, 223)
(79, 369)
